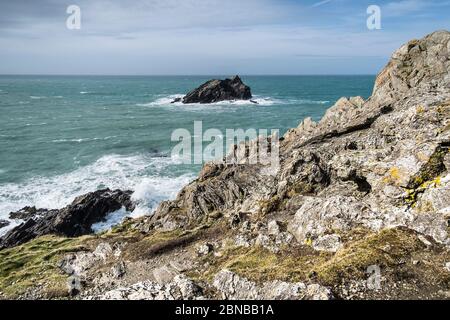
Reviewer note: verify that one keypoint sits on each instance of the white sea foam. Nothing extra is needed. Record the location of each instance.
(37, 97)
(36, 124)
(80, 140)
(142, 173)
(113, 219)
(167, 101)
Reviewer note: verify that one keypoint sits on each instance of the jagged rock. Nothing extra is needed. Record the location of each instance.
(344, 110)
(233, 287)
(27, 213)
(417, 64)
(181, 288)
(318, 216)
(72, 221)
(219, 90)
(4, 223)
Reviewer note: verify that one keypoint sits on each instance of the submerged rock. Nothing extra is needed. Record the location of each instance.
(218, 90)
(72, 221)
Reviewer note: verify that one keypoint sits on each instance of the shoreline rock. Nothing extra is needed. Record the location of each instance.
(72, 221)
(4, 223)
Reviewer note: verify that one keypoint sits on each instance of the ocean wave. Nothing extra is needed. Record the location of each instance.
(38, 97)
(166, 101)
(163, 101)
(144, 174)
(36, 124)
(307, 101)
(80, 140)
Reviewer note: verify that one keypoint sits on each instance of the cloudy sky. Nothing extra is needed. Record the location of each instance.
(169, 37)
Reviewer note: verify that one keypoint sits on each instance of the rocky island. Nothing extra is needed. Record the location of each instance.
(360, 209)
(217, 91)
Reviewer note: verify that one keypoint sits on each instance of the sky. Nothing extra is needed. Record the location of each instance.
(209, 37)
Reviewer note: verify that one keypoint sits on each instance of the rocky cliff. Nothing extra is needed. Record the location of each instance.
(359, 209)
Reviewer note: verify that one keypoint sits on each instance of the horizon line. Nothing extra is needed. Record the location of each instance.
(185, 75)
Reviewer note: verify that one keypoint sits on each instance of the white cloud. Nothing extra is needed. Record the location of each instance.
(195, 36)
(321, 3)
(400, 8)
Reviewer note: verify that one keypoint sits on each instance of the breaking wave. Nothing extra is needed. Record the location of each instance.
(146, 175)
(166, 101)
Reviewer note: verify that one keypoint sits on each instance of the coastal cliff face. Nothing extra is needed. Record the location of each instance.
(359, 209)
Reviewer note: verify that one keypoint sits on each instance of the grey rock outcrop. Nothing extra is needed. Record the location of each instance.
(234, 287)
(181, 288)
(366, 164)
(219, 90)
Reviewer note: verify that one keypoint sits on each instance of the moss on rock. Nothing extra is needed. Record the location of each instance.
(383, 249)
(35, 265)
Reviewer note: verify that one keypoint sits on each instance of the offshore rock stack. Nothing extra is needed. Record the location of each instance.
(217, 91)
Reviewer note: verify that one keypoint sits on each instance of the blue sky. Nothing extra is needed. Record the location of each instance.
(209, 37)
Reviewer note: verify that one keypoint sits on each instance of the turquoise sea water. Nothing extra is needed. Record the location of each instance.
(62, 136)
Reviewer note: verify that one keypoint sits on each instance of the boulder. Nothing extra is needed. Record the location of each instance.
(72, 221)
(219, 90)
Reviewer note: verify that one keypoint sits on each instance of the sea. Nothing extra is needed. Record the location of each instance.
(64, 136)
